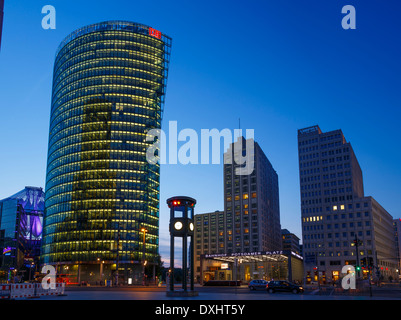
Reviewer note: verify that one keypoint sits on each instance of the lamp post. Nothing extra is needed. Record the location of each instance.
(143, 230)
(101, 270)
(118, 257)
(357, 243)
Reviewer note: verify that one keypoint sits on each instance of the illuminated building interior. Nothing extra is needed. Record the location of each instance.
(247, 266)
(108, 91)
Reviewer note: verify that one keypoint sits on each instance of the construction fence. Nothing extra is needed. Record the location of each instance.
(29, 290)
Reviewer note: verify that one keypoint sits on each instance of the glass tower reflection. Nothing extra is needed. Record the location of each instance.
(108, 90)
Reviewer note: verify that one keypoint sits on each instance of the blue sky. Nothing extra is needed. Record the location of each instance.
(278, 65)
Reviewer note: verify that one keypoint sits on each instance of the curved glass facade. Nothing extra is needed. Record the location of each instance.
(108, 90)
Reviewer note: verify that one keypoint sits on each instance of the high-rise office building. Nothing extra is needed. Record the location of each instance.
(340, 225)
(21, 224)
(102, 195)
(244, 241)
(290, 241)
(1, 19)
(397, 231)
(251, 202)
(210, 236)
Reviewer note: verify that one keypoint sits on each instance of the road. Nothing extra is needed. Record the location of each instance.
(211, 303)
(220, 293)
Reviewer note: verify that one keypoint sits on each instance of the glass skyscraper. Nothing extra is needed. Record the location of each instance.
(109, 86)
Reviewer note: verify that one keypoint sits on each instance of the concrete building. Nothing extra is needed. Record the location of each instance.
(336, 213)
(397, 230)
(1, 19)
(251, 201)
(243, 242)
(290, 241)
(210, 237)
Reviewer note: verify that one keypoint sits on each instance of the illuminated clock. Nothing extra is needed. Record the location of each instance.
(178, 225)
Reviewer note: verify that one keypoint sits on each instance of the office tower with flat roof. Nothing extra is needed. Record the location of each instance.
(210, 236)
(251, 201)
(109, 86)
(21, 224)
(340, 225)
(290, 241)
(397, 231)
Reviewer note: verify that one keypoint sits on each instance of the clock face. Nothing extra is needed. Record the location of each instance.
(178, 225)
(191, 226)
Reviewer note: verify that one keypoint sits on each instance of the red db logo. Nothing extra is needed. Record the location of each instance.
(155, 33)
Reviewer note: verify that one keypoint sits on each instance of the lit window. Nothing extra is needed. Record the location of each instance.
(245, 196)
(342, 207)
(334, 208)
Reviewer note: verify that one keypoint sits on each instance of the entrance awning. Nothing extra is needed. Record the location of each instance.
(258, 256)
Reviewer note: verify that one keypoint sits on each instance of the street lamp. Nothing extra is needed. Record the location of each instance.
(143, 230)
(101, 270)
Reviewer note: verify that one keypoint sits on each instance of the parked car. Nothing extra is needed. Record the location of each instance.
(285, 286)
(257, 284)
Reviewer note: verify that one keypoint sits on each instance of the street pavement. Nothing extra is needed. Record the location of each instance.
(222, 293)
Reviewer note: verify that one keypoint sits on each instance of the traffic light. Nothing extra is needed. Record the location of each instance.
(358, 268)
(363, 263)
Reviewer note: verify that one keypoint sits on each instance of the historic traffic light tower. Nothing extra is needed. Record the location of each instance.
(182, 225)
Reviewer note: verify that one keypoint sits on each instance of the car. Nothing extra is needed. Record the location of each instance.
(257, 284)
(284, 286)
